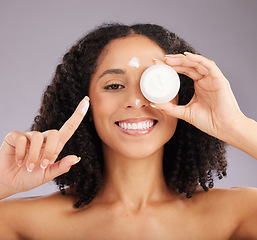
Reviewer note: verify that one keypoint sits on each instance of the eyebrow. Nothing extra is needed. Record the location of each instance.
(112, 71)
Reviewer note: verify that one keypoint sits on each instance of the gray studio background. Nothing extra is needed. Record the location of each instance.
(34, 35)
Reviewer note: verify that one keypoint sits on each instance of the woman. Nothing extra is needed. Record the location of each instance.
(148, 182)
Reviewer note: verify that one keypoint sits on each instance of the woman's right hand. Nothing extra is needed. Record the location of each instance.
(27, 160)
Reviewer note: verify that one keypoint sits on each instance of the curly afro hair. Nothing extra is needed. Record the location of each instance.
(191, 157)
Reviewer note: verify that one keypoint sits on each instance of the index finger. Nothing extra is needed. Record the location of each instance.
(207, 63)
(71, 125)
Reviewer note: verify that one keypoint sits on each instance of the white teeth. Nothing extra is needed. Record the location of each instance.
(136, 126)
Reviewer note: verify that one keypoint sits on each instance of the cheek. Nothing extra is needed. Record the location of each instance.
(97, 105)
(171, 126)
(171, 121)
(103, 110)
(102, 104)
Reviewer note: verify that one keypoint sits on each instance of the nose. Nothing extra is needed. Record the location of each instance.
(134, 98)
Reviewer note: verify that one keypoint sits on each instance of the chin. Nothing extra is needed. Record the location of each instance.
(137, 151)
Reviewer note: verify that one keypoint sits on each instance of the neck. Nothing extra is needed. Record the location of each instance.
(134, 182)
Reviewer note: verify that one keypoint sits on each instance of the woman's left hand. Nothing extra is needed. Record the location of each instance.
(213, 108)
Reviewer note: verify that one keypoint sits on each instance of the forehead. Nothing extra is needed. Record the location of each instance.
(121, 51)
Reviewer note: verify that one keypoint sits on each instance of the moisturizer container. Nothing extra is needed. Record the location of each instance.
(159, 83)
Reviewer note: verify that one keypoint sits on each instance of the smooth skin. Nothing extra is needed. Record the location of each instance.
(134, 202)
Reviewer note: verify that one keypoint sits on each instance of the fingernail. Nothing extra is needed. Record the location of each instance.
(187, 53)
(167, 56)
(85, 105)
(152, 105)
(44, 163)
(19, 163)
(170, 55)
(79, 158)
(87, 98)
(30, 167)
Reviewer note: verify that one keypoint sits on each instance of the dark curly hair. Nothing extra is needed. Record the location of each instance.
(191, 157)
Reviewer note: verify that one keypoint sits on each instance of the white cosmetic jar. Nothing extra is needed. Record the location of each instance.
(159, 83)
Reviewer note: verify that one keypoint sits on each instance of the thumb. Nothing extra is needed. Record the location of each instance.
(60, 167)
(173, 110)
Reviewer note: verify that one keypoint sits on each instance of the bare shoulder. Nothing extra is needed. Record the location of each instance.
(49, 201)
(236, 195)
(235, 207)
(246, 209)
(238, 198)
(17, 214)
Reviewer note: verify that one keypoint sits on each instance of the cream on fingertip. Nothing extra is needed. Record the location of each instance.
(87, 98)
(84, 105)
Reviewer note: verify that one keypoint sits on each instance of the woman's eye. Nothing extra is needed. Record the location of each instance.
(114, 86)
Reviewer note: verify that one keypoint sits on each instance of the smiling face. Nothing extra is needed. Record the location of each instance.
(124, 120)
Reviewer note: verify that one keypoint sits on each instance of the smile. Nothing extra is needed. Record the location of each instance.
(143, 126)
(136, 126)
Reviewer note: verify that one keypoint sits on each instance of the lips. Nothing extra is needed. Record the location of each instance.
(136, 126)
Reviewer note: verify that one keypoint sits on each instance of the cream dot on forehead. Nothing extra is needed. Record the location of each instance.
(134, 62)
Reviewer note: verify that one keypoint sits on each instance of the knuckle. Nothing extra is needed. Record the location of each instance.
(22, 140)
(212, 62)
(181, 55)
(12, 137)
(14, 132)
(78, 114)
(197, 66)
(70, 127)
(53, 131)
(185, 71)
(38, 136)
(49, 153)
(54, 134)
(181, 61)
